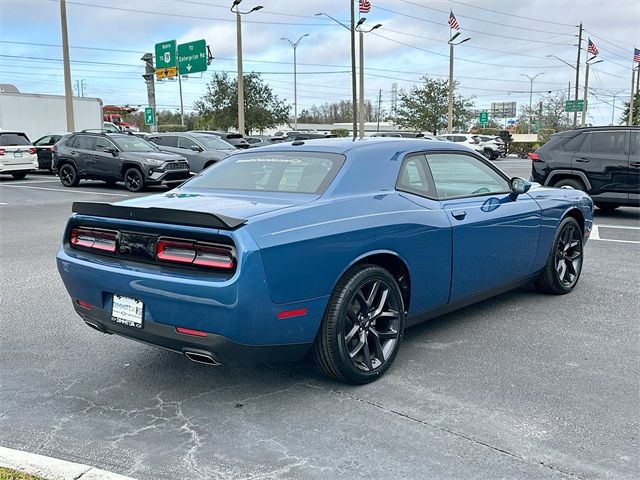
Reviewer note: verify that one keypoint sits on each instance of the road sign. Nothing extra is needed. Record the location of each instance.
(483, 118)
(166, 72)
(570, 106)
(148, 116)
(503, 109)
(166, 55)
(192, 57)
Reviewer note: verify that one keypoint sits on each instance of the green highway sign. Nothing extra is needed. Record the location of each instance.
(570, 106)
(148, 116)
(483, 118)
(192, 57)
(166, 55)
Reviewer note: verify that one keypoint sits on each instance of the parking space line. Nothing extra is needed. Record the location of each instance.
(595, 233)
(66, 190)
(26, 182)
(2, 203)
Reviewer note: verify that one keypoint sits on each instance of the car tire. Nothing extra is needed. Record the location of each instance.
(362, 328)
(69, 175)
(487, 152)
(607, 207)
(19, 175)
(564, 265)
(495, 155)
(570, 182)
(134, 180)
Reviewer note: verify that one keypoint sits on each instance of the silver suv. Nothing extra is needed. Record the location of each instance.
(200, 149)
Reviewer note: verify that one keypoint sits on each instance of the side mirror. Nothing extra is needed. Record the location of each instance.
(520, 185)
(112, 151)
(195, 148)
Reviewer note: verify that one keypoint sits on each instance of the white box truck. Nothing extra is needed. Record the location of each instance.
(37, 115)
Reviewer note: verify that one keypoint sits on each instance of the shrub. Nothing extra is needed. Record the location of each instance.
(340, 132)
(524, 147)
(172, 128)
(494, 132)
(544, 134)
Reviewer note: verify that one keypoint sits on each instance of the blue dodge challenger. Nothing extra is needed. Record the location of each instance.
(326, 245)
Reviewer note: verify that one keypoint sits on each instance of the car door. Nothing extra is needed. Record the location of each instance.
(194, 157)
(82, 154)
(634, 169)
(166, 143)
(495, 232)
(43, 148)
(105, 164)
(604, 158)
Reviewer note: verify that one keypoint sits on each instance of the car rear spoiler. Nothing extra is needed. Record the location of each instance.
(159, 215)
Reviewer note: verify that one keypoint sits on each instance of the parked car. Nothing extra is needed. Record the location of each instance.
(235, 139)
(260, 140)
(110, 127)
(297, 136)
(465, 139)
(44, 149)
(18, 156)
(116, 157)
(200, 150)
(323, 245)
(602, 161)
(493, 147)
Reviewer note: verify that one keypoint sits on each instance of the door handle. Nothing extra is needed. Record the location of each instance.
(635, 164)
(73, 152)
(458, 214)
(582, 160)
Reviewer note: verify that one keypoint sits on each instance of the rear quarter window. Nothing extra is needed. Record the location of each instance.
(573, 144)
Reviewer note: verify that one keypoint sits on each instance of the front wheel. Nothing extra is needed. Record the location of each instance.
(563, 267)
(362, 328)
(133, 180)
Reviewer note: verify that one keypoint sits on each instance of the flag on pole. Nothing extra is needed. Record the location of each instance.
(636, 54)
(453, 23)
(592, 49)
(365, 6)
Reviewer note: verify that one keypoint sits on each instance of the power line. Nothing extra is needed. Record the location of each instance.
(513, 14)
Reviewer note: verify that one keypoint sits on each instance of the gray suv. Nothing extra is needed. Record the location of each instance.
(200, 149)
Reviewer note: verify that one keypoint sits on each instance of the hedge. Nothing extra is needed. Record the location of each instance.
(172, 128)
(524, 147)
(340, 132)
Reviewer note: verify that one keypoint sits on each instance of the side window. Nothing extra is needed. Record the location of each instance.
(414, 177)
(186, 143)
(44, 141)
(170, 141)
(84, 142)
(156, 140)
(457, 175)
(573, 144)
(102, 145)
(613, 142)
(635, 145)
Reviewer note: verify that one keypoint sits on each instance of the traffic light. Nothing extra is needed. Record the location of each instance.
(149, 69)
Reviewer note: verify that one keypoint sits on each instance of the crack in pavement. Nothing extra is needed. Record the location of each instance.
(427, 424)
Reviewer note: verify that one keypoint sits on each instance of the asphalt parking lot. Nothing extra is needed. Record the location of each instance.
(519, 386)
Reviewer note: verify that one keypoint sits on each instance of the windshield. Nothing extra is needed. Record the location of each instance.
(301, 172)
(132, 143)
(212, 142)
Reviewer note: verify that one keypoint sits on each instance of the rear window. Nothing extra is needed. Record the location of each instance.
(10, 139)
(302, 172)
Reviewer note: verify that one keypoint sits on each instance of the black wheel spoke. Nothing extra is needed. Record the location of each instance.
(377, 347)
(372, 295)
(351, 333)
(568, 255)
(366, 354)
(377, 311)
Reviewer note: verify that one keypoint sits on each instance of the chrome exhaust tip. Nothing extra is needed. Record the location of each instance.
(94, 326)
(199, 357)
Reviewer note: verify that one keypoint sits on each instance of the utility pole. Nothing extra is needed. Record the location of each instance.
(354, 95)
(575, 110)
(149, 74)
(632, 95)
(586, 88)
(68, 91)
(531, 79)
(568, 97)
(379, 102)
(361, 33)
(613, 107)
(450, 109)
(181, 103)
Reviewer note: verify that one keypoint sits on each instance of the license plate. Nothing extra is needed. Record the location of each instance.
(127, 311)
(17, 154)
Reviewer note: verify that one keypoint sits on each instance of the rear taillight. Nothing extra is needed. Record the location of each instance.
(33, 150)
(2, 151)
(534, 157)
(94, 239)
(194, 253)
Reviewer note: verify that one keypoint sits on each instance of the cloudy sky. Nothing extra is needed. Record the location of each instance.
(508, 40)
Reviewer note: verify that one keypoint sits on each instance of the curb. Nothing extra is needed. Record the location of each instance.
(53, 468)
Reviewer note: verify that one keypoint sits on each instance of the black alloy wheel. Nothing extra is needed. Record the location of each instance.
(133, 180)
(69, 175)
(564, 265)
(363, 326)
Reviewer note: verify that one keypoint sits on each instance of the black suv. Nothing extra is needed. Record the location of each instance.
(602, 161)
(115, 157)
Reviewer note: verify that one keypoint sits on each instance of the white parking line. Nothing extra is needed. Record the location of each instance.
(67, 190)
(23, 182)
(2, 203)
(595, 233)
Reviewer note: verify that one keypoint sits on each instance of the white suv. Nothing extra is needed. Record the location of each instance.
(465, 139)
(18, 156)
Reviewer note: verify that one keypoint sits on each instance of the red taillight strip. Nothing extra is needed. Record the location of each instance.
(534, 157)
(188, 331)
(84, 304)
(180, 252)
(292, 313)
(204, 255)
(94, 239)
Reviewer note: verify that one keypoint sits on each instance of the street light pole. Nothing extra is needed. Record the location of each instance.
(294, 45)
(451, 56)
(68, 90)
(531, 79)
(575, 110)
(586, 89)
(235, 8)
(361, 33)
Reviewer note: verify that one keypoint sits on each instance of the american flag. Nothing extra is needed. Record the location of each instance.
(592, 49)
(365, 6)
(453, 23)
(636, 55)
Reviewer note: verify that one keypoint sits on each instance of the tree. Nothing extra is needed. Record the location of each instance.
(548, 113)
(636, 111)
(218, 107)
(425, 107)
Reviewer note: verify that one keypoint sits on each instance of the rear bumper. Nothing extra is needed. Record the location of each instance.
(26, 166)
(218, 347)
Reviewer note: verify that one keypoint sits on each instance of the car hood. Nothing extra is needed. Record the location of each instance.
(236, 205)
(167, 157)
